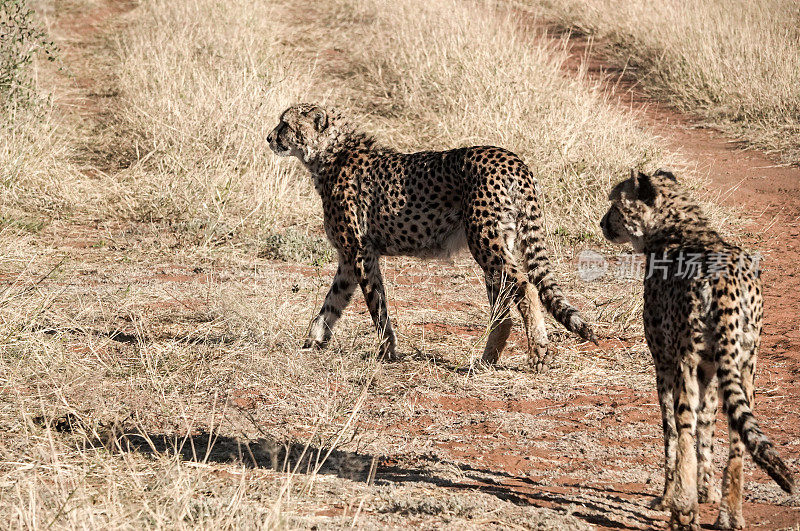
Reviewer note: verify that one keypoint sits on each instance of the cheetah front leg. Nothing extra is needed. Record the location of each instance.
(337, 299)
(369, 277)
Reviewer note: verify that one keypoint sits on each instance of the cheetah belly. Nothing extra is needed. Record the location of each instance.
(433, 235)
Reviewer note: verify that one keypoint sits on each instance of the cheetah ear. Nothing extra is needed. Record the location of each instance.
(664, 172)
(320, 118)
(645, 192)
(627, 188)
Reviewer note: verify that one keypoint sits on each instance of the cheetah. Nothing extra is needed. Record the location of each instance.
(702, 323)
(377, 201)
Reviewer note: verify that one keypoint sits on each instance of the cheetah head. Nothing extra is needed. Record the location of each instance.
(303, 132)
(637, 206)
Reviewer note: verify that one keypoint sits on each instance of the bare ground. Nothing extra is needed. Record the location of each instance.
(436, 444)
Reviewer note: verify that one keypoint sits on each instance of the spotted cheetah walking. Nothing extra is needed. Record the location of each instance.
(377, 202)
(702, 319)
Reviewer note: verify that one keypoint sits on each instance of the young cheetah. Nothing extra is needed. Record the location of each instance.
(702, 321)
(378, 202)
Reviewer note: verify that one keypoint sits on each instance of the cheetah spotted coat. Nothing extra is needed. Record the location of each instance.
(380, 202)
(702, 319)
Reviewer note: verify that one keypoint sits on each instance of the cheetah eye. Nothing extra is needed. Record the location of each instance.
(286, 128)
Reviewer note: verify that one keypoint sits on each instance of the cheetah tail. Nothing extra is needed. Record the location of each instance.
(740, 415)
(538, 266)
(553, 299)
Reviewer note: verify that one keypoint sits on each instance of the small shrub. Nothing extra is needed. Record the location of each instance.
(21, 39)
(293, 246)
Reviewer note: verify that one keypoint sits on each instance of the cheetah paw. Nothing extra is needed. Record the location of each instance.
(708, 495)
(727, 521)
(387, 352)
(660, 504)
(541, 358)
(482, 365)
(310, 344)
(684, 521)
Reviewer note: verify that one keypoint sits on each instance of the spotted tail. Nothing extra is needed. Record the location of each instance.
(531, 236)
(726, 311)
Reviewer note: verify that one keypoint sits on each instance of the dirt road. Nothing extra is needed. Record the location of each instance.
(768, 196)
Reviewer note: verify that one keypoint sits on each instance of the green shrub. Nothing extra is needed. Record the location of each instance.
(21, 39)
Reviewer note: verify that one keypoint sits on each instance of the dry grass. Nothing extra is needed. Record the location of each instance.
(100, 420)
(150, 375)
(160, 403)
(36, 179)
(735, 64)
(203, 84)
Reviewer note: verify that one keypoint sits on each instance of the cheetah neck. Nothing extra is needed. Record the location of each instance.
(680, 233)
(336, 146)
(341, 137)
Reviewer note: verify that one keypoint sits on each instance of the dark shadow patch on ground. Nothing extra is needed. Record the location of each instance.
(601, 507)
(127, 338)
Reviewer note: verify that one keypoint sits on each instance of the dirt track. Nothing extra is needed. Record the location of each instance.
(592, 450)
(594, 434)
(768, 196)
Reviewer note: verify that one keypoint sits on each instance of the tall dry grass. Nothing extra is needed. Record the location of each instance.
(33, 177)
(203, 84)
(43, 175)
(734, 63)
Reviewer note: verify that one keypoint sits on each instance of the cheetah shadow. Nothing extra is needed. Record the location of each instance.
(602, 507)
(476, 367)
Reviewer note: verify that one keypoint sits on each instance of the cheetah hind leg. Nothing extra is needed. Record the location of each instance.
(501, 293)
(730, 510)
(499, 320)
(540, 353)
(707, 491)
